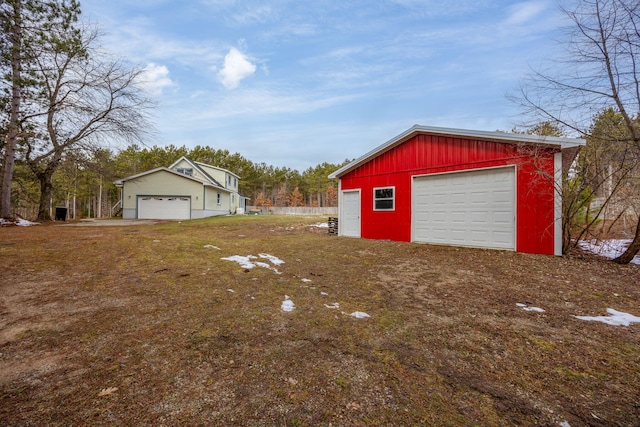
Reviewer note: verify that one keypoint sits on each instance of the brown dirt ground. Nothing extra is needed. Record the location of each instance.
(146, 325)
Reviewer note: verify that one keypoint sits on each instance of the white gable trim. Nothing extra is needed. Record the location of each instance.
(505, 137)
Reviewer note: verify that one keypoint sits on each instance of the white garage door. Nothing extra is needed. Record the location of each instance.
(475, 208)
(162, 207)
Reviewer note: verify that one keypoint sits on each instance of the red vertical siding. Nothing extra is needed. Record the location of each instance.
(426, 154)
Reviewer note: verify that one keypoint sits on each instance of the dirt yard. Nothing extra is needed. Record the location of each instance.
(148, 325)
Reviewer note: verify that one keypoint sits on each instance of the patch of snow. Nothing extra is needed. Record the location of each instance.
(616, 318)
(359, 314)
(565, 424)
(230, 290)
(211, 247)
(306, 280)
(287, 305)
(274, 260)
(244, 261)
(527, 308)
(608, 248)
(320, 225)
(19, 222)
(324, 293)
(335, 305)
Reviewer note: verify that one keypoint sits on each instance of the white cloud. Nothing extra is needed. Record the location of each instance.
(522, 13)
(155, 78)
(265, 102)
(236, 68)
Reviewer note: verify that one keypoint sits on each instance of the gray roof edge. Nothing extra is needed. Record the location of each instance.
(160, 169)
(216, 167)
(138, 175)
(562, 142)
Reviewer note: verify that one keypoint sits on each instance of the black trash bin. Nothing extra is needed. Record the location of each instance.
(61, 213)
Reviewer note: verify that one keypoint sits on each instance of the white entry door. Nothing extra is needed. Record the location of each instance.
(473, 208)
(350, 214)
(163, 207)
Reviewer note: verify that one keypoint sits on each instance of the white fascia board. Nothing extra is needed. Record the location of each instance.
(453, 132)
(216, 167)
(160, 169)
(502, 136)
(121, 181)
(173, 165)
(226, 190)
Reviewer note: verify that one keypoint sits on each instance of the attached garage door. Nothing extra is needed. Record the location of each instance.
(161, 207)
(475, 208)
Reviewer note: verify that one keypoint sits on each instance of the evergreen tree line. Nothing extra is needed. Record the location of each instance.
(84, 184)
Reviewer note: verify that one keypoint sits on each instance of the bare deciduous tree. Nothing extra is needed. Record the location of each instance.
(599, 71)
(77, 96)
(85, 98)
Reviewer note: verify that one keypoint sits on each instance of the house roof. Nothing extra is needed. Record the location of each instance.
(503, 137)
(212, 183)
(196, 165)
(199, 165)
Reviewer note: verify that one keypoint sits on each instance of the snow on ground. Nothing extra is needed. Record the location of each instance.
(359, 314)
(616, 318)
(320, 225)
(248, 263)
(19, 222)
(525, 307)
(274, 260)
(607, 248)
(212, 247)
(287, 304)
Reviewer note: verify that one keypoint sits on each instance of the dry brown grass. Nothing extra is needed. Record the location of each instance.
(137, 326)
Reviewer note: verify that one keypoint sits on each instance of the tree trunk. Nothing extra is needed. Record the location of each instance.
(633, 248)
(46, 193)
(12, 134)
(44, 173)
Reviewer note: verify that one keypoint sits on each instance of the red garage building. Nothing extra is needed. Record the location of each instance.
(458, 187)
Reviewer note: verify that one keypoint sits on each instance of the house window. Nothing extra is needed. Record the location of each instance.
(219, 199)
(186, 171)
(233, 199)
(383, 199)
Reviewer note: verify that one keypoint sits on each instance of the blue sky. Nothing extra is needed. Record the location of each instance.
(296, 83)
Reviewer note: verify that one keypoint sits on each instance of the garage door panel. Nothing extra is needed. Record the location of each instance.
(457, 236)
(502, 197)
(505, 218)
(479, 217)
(479, 197)
(458, 218)
(163, 207)
(475, 208)
(502, 236)
(458, 198)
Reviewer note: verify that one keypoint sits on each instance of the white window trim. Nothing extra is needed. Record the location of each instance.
(393, 198)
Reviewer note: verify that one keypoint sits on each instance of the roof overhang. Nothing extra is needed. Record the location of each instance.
(504, 137)
(121, 182)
